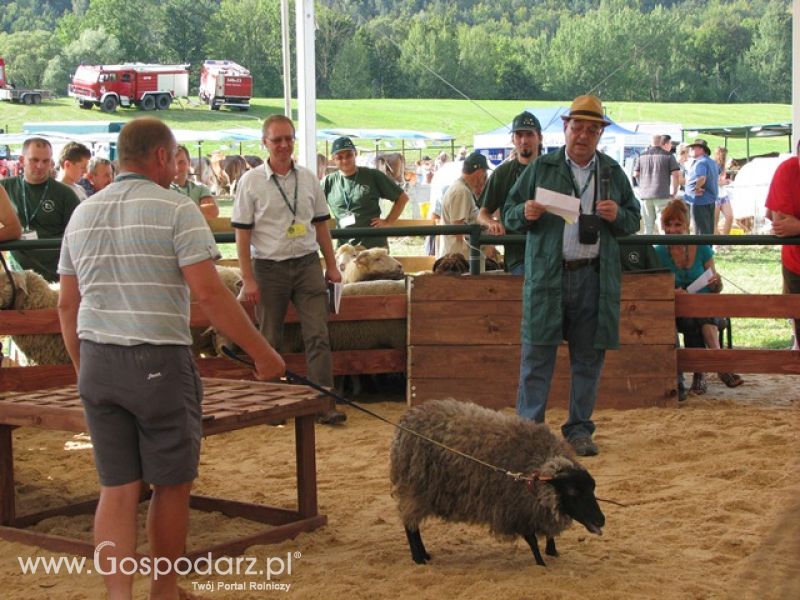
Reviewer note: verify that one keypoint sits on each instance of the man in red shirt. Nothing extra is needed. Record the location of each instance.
(783, 209)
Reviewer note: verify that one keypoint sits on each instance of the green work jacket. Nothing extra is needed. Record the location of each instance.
(542, 312)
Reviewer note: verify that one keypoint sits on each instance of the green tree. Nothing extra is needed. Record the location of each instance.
(93, 47)
(762, 75)
(334, 31)
(350, 76)
(187, 33)
(26, 54)
(380, 36)
(139, 27)
(249, 32)
(430, 52)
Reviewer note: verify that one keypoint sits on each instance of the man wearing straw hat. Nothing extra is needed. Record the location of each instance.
(572, 269)
(702, 187)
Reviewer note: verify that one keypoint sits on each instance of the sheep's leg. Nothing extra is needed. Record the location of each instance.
(418, 553)
(550, 547)
(531, 539)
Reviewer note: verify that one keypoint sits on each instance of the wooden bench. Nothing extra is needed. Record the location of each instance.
(227, 406)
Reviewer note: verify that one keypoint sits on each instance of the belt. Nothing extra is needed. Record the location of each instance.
(574, 265)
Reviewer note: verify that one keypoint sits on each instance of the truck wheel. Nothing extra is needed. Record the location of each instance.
(212, 104)
(85, 105)
(163, 102)
(27, 99)
(109, 104)
(37, 98)
(148, 103)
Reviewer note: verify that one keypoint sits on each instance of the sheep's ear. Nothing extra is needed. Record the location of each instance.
(20, 281)
(358, 248)
(381, 251)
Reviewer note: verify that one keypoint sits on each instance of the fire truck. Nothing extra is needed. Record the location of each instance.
(147, 86)
(225, 83)
(8, 91)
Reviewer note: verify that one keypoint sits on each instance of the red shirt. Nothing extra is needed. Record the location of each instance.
(784, 197)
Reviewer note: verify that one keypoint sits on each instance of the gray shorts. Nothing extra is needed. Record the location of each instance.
(143, 405)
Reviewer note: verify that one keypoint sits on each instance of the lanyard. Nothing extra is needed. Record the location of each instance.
(28, 219)
(283, 194)
(579, 194)
(347, 198)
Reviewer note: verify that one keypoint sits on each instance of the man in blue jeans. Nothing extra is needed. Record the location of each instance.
(702, 187)
(572, 271)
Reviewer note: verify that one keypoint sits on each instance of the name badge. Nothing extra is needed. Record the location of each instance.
(296, 230)
(348, 220)
(29, 235)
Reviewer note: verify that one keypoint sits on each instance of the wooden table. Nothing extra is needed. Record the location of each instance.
(228, 405)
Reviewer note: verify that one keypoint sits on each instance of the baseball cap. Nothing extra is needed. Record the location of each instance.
(473, 162)
(342, 143)
(526, 121)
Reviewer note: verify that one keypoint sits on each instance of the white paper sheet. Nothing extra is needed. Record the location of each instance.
(334, 297)
(701, 282)
(566, 207)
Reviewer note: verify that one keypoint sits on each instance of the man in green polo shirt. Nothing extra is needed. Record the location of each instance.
(354, 194)
(43, 205)
(526, 135)
(199, 193)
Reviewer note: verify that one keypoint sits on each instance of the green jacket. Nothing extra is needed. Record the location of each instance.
(542, 313)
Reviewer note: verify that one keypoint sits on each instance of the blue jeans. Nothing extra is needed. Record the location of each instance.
(703, 216)
(580, 297)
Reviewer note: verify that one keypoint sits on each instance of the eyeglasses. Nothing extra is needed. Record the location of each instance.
(579, 128)
(286, 139)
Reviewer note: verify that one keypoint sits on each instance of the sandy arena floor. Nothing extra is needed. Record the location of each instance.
(712, 488)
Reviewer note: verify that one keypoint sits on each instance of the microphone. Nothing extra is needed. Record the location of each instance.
(605, 183)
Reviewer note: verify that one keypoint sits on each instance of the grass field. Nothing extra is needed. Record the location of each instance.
(460, 118)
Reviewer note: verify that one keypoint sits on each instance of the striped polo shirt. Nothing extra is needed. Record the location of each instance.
(126, 245)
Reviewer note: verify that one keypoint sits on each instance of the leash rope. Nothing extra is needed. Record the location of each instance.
(295, 378)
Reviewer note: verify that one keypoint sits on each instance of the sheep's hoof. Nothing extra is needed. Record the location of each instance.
(550, 547)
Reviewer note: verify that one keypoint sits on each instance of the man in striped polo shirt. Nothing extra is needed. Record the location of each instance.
(130, 256)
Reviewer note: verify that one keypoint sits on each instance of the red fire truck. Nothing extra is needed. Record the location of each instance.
(225, 83)
(134, 84)
(8, 91)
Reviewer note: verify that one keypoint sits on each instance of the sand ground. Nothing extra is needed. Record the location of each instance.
(712, 490)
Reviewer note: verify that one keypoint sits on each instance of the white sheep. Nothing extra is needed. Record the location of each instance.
(359, 264)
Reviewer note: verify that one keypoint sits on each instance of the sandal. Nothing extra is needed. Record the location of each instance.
(732, 380)
(699, 385)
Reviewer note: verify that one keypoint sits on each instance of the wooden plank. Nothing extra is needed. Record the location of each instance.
(427, 288)
(785, 362)
(777, 306)
(498, 322)
(345, 362)
(220, 224)
(415, 264)
(414, 223)
(243, 510)
(483, 322)
(25, 379)
(7, 494)
(615, 392)
(635, 286)
(486, 362)
(648, 286)
(352, 308)
(25, 322)
(306, 466)
(51, 542)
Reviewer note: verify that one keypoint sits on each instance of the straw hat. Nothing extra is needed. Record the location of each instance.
(587, 108)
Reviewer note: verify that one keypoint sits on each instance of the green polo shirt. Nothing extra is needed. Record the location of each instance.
(195, 191)
(493, 198)
(360, 195)
(44, 208)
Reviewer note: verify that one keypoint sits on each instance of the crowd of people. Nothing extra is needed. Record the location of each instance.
(146, 224)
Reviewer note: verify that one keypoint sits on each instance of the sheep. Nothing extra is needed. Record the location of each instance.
(33, 292)
(359, 264)
(428, 480)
